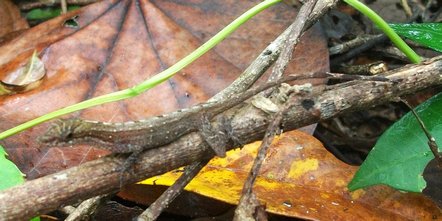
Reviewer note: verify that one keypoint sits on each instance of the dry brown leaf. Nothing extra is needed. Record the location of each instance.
(120, 43)
(10, 19)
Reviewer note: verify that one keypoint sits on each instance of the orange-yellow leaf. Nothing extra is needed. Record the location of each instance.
(301, 179)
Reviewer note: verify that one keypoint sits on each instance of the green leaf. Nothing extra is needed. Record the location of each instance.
(10, 175)
(401, 153)
(46, 13)
(427, 34)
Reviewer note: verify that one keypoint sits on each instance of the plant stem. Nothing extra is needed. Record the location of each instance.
(375, 18)
(151, 82)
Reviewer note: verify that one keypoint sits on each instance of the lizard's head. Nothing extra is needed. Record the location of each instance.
(62, 132)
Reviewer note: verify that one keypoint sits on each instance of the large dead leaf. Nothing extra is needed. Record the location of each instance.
(119, 43)
(10, 20)
(301, 179)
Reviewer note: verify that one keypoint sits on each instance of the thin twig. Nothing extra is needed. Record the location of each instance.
(346, 46)
(249, 206)
(64, 7)
(172, 192)
(407, 8)
(390, 52)
(353, 52)
(248, 203)
(373, 68)
(349, 77)
(292, 40)
(431, 140)
(85, 210)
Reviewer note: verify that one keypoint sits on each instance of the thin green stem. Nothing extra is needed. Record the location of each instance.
(155, 80)
(375, 18)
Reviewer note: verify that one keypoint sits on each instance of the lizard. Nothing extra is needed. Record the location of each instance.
(134, 137)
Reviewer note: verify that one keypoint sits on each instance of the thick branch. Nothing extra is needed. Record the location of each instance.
(102, 175)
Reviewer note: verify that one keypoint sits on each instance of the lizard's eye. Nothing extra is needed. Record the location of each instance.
(68, 136)
(65, 134)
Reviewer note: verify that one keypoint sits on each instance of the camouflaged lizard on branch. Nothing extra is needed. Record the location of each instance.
(136, 136)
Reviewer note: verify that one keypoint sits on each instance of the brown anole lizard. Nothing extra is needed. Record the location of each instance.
(136, 136)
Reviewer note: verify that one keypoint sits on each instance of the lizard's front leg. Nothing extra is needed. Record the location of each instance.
(128, 165)
(215, 135)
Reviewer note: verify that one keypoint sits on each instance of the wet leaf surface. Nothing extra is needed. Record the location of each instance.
(118, 44)
(427, 34)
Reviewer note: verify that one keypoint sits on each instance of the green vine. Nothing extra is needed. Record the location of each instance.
(375, 18)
